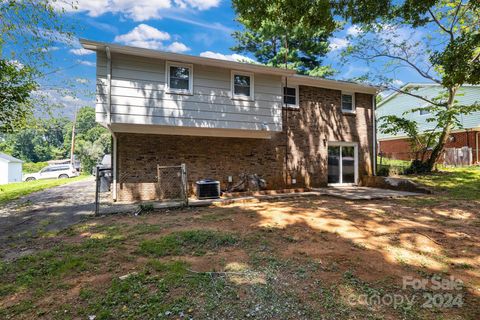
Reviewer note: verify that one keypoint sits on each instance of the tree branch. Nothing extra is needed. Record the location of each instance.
(414, 95)
(449, 32)
(411, 64)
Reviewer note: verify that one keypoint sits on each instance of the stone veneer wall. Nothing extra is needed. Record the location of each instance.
(318, 121)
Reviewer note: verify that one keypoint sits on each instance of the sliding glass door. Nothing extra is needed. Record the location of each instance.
(342, 163)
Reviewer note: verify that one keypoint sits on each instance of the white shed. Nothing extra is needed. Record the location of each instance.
(10, 169)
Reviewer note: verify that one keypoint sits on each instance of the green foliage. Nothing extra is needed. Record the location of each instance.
(16, 86)
(183, 242)
(48, 139)
(31, 167)
(42, 27)
(270, 32)
(92, 140)
(445, 50)
(28, 28)
(43, 140)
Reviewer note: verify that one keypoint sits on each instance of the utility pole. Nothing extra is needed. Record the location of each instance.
(72, 147)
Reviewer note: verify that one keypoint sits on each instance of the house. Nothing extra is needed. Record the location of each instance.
(10, 169)
(398, 147)
(222, 118)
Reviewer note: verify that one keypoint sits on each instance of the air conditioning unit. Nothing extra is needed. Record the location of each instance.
(208, 189)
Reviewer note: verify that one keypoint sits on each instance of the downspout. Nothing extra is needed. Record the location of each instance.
(374, 136)
(109, 123)
(476, 145)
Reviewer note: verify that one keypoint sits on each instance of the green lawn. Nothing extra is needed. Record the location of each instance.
(453, 183)
(13, 191)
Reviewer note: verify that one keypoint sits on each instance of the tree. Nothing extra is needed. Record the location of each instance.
(275, 38)
(16, 87)
(92, 140)
(43, 140)
(28, 29)
(437, 39)
(443, 47)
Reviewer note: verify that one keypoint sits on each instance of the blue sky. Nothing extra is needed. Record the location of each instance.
(196, 27)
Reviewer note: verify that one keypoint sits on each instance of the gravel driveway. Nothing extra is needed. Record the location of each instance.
(45, 211)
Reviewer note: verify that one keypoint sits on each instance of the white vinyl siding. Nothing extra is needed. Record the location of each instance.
(139, 96)
(402, 103)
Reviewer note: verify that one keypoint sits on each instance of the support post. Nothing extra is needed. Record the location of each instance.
(185, 182)
(97, 190)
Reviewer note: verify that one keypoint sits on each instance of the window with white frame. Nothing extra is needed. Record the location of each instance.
(179, 78)
(348, 102)
(290, 96)
(242, 85)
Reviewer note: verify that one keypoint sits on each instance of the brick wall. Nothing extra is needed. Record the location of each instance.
(400, 148)
(318, 121)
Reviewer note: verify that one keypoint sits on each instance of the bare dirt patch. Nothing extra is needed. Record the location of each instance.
(306, 258)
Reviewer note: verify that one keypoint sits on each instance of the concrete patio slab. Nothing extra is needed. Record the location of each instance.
(364, 193)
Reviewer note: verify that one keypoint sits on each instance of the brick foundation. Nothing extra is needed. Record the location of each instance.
(400, 148)
(318, 121)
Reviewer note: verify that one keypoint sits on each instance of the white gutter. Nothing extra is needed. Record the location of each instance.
(109, 123)
(374, 136)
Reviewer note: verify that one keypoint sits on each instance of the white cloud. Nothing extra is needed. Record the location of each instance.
(58, 97)
(86, 63)
(338, 44)
(139, 10)
(81, 52)
(353, 30)
(398, 82)
(50, 49)
(197, 4)
(354, 71)
(229, 57)
(82, 80)
(143, 33)
(146, 36)
(177, 47)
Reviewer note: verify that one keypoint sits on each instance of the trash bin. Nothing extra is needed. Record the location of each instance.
(105, 180)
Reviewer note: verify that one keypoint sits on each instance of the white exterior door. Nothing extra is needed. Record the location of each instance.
(342, 163)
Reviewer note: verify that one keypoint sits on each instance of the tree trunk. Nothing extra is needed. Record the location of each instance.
(438, 149)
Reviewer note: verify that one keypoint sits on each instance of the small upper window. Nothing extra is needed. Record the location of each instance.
(179, 78)
(348, 102)
(242, 85)
(290, 96)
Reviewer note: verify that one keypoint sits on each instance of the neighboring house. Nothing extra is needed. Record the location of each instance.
(10, 169)
(224, 118)
(398, 147)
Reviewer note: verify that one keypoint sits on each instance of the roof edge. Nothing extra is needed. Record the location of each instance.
(334, 84)
(100, 46)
